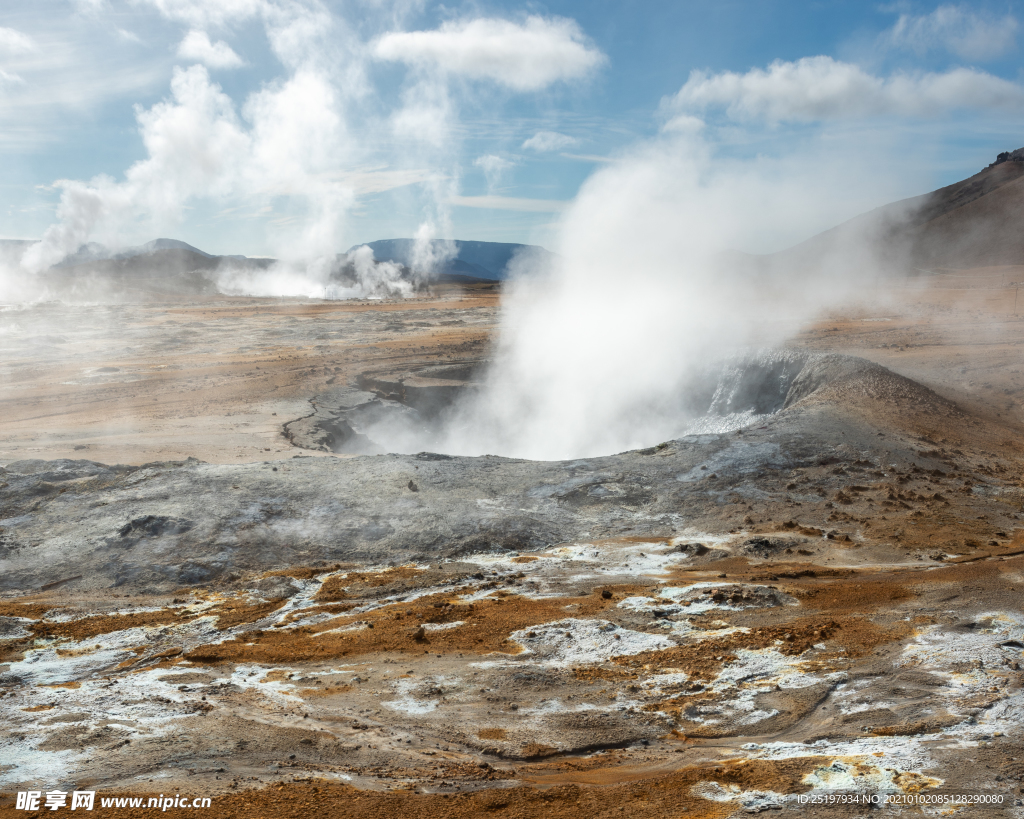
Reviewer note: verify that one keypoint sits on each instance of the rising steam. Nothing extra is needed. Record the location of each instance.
(599, 346)
(598, 351)
(295, 152)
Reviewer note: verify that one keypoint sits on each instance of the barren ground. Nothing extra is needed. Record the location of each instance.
(826, 604)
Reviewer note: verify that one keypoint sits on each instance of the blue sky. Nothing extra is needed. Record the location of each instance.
(277, 127)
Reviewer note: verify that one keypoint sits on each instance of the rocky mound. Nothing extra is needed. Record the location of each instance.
(409, 408)
(169, 524)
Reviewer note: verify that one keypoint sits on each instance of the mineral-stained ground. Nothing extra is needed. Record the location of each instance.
(824, 603)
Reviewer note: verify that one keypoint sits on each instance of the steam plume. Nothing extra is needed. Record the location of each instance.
(301, 139)
(596, 354)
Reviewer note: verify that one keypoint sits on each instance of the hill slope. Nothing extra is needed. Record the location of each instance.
(162, 267)
(971, 223)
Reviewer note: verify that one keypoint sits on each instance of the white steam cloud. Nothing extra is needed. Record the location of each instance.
(596, 350)
(522, 57)
(196, 146)
(299, 147)
(352, 275)
(595, 355)
(599, 352)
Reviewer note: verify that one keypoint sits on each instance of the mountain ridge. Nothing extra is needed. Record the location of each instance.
(478, 259)
(971, 223)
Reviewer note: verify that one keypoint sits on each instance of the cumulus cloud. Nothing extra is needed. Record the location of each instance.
(544, 141)
(196, 46)
(818, 88)
(957, 29)
(525, 56)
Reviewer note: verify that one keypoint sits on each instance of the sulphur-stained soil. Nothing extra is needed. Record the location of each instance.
(211, 587)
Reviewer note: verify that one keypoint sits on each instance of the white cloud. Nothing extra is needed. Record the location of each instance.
(303, 33)
(196, 46)
(13, 41)
(544, 141)
(818, 88)
(10, 80)
(65, 68)
(957, 29)
(201, 14)
(300, 32)
(493, 163)
(494, 167)
(523, 57)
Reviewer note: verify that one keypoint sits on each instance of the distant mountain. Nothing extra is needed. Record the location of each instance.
(478, 260)
(473, 262)
(160, 268)
(162, 244)
(95, 252)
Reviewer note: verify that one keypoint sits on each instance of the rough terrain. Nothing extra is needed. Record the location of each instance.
(825, 603)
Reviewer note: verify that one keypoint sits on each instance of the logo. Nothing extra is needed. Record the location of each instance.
(52, 800)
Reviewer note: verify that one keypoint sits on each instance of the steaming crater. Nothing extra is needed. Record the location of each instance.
(427, 409)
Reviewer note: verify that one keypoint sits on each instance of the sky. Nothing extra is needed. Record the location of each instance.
(298, 128)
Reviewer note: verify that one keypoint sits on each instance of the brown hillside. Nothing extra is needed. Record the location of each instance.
(972, 223)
